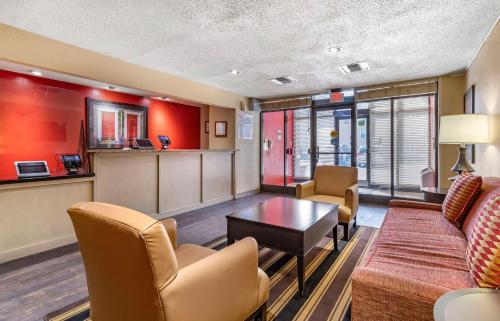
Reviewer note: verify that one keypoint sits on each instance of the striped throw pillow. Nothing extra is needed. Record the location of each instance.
(483, 249)
(460, 196)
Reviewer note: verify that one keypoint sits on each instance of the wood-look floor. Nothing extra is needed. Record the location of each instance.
(34, 286)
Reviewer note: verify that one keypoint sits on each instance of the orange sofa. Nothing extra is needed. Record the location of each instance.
(416, 257)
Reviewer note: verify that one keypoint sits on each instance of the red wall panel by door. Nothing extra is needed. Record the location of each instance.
(40, 119)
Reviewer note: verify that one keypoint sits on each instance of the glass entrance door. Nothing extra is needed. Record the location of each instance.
(285, 149)
(334, 138)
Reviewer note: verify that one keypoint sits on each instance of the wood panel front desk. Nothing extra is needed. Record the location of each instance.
(163, 183)
(33, 214)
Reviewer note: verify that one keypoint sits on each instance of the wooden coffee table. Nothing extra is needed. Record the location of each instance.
(286, 224)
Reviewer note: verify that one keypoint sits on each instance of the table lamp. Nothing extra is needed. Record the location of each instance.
(463, 129)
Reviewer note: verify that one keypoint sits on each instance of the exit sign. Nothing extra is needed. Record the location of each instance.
(336, 97)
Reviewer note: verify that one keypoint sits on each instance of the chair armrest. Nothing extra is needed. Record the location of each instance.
(305, 189)
(224, 286)
(171, 226)
(416, 205)
(352, 199)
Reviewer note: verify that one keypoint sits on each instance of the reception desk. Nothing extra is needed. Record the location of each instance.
(163, 183)
(33, 214)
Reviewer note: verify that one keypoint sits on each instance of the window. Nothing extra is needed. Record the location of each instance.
(400, 156)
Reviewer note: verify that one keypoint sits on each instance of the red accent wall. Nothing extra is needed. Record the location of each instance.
(179, 122)
(40, 119)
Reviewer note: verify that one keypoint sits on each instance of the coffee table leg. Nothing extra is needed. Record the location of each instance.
(335, 234)
(300, 274)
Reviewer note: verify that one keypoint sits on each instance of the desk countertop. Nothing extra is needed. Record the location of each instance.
(130, 150)
(58, 176)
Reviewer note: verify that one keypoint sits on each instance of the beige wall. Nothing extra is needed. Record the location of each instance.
(203, 136)
(248, 159)
(484, 73)
(222, 114)
(29, 49)
(450, 101)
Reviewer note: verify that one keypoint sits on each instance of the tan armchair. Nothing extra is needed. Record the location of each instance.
(135, 271)
(336, 185)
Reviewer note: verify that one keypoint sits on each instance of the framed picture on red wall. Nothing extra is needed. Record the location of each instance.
(114, 125)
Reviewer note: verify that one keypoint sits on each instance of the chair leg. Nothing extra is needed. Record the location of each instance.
(262, 313)
(355, 222)
(346, 232)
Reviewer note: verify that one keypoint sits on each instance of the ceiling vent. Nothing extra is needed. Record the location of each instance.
(283, 80)
(360, 66)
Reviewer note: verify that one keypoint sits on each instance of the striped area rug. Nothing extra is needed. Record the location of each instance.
(327, 288)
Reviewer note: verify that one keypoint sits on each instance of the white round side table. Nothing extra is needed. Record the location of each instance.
(474, 304)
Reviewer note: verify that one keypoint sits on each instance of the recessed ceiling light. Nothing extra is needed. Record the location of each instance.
(360, 66)
(36, 72)
(234, 72)
(111, 87)
(334, 50)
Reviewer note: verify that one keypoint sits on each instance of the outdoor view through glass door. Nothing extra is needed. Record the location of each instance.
(333, 136)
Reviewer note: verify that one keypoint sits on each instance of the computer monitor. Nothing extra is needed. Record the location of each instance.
(72, 162)
(164, 140)
(143, 143)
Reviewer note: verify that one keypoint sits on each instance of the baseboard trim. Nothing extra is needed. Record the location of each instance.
(188, 208)
(250, 192)
(35, 248)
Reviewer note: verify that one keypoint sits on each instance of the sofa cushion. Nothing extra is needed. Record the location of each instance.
(460, 197)
(483, 250)
(419, 221)
(430, 258)
(344, 211)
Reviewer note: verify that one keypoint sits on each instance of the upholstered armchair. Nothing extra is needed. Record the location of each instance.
(336, 185)
(135, 270)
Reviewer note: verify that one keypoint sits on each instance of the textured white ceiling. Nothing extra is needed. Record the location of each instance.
(202, 40)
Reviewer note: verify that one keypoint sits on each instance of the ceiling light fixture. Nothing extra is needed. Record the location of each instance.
(359, 66)
(234, 72)
(334, 50)
(36, 72)
(283, 80)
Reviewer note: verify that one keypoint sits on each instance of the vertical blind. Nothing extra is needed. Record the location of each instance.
(380, 143)
(301, 143)
(410, 137)
(325, 123)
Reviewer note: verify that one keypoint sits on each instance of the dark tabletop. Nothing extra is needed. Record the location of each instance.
(435, 190)
(53, 177)
(286, 212)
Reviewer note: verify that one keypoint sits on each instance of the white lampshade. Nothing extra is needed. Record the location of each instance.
(464, 129)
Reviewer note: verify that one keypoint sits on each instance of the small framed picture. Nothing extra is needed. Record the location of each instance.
(221, 128)
(207, 127)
